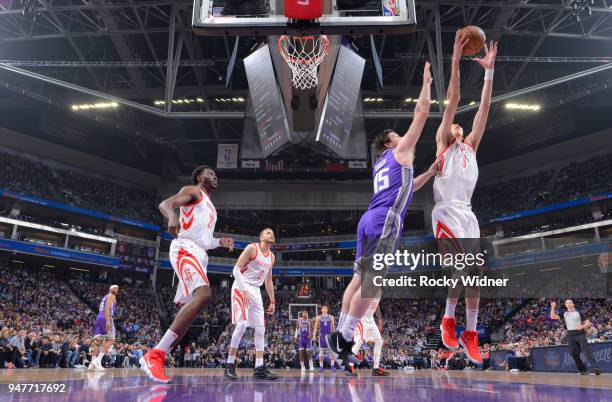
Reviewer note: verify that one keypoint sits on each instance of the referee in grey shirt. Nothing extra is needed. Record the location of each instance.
(575, 323)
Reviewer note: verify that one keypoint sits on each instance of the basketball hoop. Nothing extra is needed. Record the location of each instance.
(303, 54)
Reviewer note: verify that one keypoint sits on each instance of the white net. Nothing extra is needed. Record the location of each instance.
(303, 54)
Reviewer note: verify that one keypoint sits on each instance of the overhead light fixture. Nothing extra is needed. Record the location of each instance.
(408, 100)
(446, 101)
(99, 105)
(472, 103)
(522, 106)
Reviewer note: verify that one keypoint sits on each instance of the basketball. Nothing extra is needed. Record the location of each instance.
(477, 40)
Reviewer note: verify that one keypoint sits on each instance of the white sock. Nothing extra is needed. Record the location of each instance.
(258, 362)
(341, 319)
(231, 359)
(302, 364)
(449, 312)
(348, 327)
(100, 356)
(165, 345)
(471, 319)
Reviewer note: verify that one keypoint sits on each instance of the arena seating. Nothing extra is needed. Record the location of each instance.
(23, 175)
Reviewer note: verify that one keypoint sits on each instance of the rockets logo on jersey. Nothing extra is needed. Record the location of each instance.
(197, 220)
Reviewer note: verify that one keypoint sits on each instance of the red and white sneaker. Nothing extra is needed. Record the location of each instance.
(449, 334)
(153, 363)
(469, 341)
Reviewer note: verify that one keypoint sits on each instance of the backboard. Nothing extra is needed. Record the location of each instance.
(267, 17)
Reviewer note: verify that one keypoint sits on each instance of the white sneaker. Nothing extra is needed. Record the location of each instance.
(98, 366)
(303, 370)
(311, 368)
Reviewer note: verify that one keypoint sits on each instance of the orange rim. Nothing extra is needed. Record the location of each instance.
(313, 60)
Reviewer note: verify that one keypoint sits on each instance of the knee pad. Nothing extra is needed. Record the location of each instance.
(260, 340)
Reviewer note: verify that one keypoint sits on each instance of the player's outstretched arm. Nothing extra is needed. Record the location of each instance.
(167, 207)
(480, 121)
(424, 177)
(453, 94)
(421, 113)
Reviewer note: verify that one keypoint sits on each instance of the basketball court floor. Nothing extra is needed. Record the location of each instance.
(292, 386)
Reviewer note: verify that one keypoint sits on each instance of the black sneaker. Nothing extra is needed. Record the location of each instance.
(380, 372)
(584, 372)
(263, 373)
(350, 371)
(230, 371)
(597, 371)
(340, 348)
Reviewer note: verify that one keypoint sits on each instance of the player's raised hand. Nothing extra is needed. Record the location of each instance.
(227, 242)
(488, 62)
(174, 226)
(434, 169)
(427, 80)
(461, 40)
(553, 305)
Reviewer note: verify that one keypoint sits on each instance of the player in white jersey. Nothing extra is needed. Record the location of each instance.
(193, 232)
(452, 216)
(368, 331)
(253, 269)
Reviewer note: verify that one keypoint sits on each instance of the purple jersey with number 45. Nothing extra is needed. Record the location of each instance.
(388, 207)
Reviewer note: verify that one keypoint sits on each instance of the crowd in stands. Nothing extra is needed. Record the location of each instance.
(136, 313)
(46, 321)
(546, 187)
(44, 324)
(25, 176)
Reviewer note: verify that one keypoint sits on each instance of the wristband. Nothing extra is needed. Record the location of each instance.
(489, 74)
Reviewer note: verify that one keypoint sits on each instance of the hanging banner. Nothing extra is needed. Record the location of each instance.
(227, 156)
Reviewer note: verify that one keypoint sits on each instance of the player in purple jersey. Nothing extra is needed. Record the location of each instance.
(104, 327)
(325, 323)
(380, 226)
(303, 336)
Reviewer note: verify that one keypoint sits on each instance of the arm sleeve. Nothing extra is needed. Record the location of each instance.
(210, 241)
(238, 278)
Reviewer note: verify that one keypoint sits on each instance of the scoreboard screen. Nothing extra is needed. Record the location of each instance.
(135, 257)
(267, 102)
(337, 116)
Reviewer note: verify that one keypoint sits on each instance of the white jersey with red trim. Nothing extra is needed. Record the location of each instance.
(458, 175)
(197, 221)
(255, 271)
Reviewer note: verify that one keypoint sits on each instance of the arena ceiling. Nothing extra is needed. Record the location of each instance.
(123, 48)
